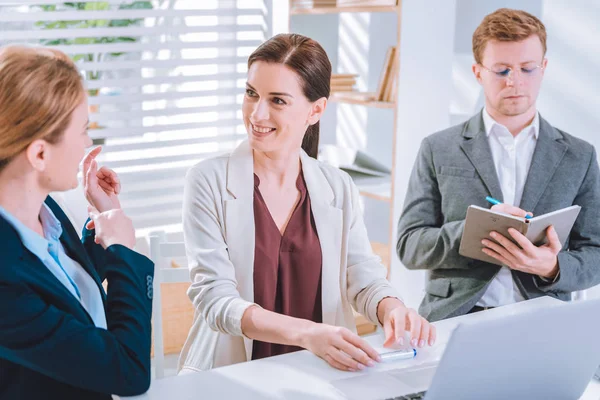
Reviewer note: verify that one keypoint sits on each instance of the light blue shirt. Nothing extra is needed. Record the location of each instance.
(69, 272)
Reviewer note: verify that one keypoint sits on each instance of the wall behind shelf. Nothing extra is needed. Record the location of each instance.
(426, 54)
(322, 28)
(347, 39)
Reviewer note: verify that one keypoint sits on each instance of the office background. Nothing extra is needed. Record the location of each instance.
(171, 95)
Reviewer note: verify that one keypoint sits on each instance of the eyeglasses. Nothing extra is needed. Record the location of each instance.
(527, 71)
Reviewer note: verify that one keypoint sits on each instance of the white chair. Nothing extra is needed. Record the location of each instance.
(579, 295)
(162, 252)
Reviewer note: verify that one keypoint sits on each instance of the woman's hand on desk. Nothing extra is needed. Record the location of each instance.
(396, 318)
(341, 348)
(101, 186)
(112, 227)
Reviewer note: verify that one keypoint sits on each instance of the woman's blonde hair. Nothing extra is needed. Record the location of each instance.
(39, 89)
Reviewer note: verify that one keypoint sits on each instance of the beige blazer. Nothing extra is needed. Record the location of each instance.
(218, 226)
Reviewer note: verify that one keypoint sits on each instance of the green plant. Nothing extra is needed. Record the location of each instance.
(92, 23)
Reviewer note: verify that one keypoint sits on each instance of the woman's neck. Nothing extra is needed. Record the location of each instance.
(277, 169)
(23, 198)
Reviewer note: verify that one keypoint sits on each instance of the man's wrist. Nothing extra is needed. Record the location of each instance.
(552, 275)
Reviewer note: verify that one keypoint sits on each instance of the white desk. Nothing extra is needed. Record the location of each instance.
(302, 375)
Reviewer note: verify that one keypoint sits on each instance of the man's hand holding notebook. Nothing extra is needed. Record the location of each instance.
(507, 235)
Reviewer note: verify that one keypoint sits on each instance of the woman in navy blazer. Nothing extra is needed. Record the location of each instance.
(61, 336)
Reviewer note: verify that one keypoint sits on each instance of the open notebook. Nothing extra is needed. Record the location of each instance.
(481, 221)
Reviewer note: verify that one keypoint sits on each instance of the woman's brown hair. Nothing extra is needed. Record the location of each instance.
(307, 58)
(39, 89)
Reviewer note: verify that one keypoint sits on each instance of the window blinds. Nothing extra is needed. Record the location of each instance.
(166, 82)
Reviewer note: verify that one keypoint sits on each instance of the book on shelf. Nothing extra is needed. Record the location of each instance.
(343, 82)
(341, 89)
(390, 92)
(387, 80)
(384, 73)
(343, 76)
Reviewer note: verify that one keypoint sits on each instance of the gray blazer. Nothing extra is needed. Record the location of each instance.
(454, 169)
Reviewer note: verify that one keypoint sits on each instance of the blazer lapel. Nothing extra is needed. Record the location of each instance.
(38, 271)
(328, 221)
(239, 222)
(75, 250)
(73, 246)
(477, 149)
(16, 254)
(549, 151)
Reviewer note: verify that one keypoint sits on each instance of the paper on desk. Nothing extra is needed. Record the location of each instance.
(378, 345)
(388, 380)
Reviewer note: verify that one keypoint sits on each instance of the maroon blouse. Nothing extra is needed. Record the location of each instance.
(287, 268)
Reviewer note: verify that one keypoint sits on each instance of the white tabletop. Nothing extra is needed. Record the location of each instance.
(302, 375)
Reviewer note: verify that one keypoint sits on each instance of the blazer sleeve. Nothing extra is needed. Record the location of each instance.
(367, 284)
(424, 242)
(578, 264)
(48, 340)
(214, 286)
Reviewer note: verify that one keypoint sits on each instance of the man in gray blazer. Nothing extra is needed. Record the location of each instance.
(507, 151)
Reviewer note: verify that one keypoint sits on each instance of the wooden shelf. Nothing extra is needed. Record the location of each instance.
(337, 10)
(383, 251)
(360, 98)
(363, 325)
(379, 191)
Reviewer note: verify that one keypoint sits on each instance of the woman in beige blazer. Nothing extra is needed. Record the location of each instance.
(286, 94)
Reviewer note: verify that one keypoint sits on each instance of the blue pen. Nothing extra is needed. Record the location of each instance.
(496, 202)
(398, 355)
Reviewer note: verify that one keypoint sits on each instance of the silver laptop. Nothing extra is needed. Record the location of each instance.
(548, 353)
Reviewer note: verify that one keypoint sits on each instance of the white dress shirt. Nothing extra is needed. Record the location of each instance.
(512, 159)
(51, 252)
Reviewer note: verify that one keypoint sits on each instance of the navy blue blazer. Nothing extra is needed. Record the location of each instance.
(49, 345)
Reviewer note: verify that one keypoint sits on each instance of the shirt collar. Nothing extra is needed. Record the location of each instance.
(30, 239)
(489, 124)
(52, 226)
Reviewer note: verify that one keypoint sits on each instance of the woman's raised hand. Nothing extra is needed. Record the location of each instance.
(101, 186)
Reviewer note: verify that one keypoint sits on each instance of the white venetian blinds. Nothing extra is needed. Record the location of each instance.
(166, 79)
